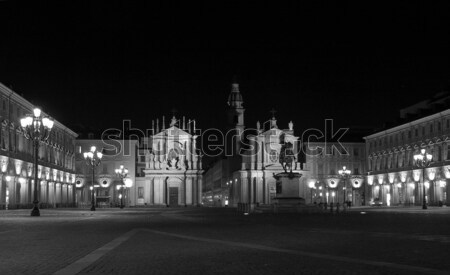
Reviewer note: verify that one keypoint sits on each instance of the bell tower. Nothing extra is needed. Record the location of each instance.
(235, 117)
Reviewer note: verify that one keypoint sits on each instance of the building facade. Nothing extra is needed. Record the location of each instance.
(165, 168)
(247, 176)
(326, 185)
(173, 174)
(56, 159)
(105, 182)
(393, 177)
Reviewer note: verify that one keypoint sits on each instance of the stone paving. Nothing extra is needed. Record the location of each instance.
(218, 241)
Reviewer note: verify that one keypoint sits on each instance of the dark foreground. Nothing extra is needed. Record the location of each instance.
(220, 241)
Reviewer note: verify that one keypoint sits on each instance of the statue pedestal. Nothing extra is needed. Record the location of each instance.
(288, 189)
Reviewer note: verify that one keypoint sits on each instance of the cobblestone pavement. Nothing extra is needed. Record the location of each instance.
(219, 241)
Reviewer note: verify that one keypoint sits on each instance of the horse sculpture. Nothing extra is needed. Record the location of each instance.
(287, 157)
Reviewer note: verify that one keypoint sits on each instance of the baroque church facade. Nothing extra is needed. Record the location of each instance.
(173, 173)
(165, 169)
(247, 176)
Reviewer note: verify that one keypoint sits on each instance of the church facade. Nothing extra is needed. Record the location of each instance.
(173, 172)
(247, 176)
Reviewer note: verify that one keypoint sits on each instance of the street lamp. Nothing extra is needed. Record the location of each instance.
(121, 173)
(312, 185)
(344, 174)
(93, 159)
(36, 129)
(128, 184)
(423, 160)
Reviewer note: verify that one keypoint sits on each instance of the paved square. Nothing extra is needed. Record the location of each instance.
(220, 241)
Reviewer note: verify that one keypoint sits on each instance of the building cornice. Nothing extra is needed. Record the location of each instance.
(409, 124)
(25, 103)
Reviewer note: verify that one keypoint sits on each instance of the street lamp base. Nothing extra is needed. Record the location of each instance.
(93, 208)
(35, 212)
(424, 206)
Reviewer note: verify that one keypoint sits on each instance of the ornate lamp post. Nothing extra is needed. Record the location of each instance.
(36, 129)
(344, 174)
(423, 160)
(93, 159)
(121, 173)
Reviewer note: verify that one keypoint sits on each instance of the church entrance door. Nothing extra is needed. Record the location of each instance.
(173, 196)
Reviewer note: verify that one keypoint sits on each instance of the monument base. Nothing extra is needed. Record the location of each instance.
(289, 200)
(287, 185)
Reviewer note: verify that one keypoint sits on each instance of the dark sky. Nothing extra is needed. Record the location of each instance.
(95, 64)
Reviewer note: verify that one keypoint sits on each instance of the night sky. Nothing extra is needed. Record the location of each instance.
(94, 64)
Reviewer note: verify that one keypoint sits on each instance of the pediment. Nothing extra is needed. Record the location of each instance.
(172, 131)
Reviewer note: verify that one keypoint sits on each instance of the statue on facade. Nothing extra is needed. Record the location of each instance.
(173, 163)
(287, 157)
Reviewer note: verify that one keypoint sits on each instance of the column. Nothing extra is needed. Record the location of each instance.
(258, 190)
(183, 192)
(244, 190)
(12, 191)
(148, 186)
(447, 191)
(157, 191)
(54, 194)
(2, 189)
(252, 153)
(188, 183)
(199, 188)
(60, 194)
(166, 191)
(251, 187)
